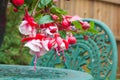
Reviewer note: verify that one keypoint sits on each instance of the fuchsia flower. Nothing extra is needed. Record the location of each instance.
(58, 43)
(54, 17)
(85, 25)
(28, 26)
(71, 40)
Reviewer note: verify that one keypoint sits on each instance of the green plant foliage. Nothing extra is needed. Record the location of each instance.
(43, 3)
(45, 19)
(28, 1)
(92, 28)
(12, 51)
(62, 34)
(77, 25)
(57, 10)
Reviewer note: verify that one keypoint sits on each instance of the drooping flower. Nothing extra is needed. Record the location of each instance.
(65, 23)
(54, 17)
(71, 40)
(85, 25)
(38, 48)
(28, 26)
(58, 43)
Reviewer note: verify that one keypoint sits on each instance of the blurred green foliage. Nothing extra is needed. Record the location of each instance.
(12, 51)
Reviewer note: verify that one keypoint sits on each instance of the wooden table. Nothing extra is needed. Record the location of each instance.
(17, 72)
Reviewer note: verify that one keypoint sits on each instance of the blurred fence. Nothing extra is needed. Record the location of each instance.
(107, 11)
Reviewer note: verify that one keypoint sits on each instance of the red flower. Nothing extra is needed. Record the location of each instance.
(18, 2)
(71, 40)
(54, 17)
(85, 25)
(65, 23)
(30, 19)
(58, 42)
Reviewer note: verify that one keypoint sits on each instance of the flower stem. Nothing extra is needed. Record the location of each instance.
(34, 9)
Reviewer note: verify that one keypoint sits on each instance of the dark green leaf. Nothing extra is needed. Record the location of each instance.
(45, 19)
(62, 34)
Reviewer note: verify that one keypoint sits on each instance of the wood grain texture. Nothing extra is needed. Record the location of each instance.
(103, 10)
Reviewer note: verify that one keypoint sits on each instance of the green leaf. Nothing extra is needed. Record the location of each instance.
(44, 3)
(77, 25)
(92, 24)
(62, 34)
(45, 19)
(28, 1)
(93, 31)
(92, 28)
(37, 17)
(56, 10)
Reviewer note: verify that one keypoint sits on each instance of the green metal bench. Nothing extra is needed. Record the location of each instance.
(97, 55)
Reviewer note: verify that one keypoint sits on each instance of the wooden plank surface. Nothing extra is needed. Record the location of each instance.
(98, 9)
(111, 1)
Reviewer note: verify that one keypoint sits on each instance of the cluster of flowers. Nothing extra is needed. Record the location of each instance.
(41, 38)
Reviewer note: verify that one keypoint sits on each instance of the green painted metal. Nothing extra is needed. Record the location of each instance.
(97, 55)
(15, 72)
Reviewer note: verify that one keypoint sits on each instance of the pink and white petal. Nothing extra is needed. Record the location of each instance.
(32, 52)
(37, 43)
(62, 45)
(52, 27)
(41, 53)
(23, 28)
(32, 45)
(34, 31)
(59, 41)
(75, 18)
(48, 31)
(45, 44)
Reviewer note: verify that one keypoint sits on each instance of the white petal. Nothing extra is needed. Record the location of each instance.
(48, 31)
(45, 44)
(26, 29)
(23, 28)
(62, 45)
(42, 52)
(53, 27)
(33, 45)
